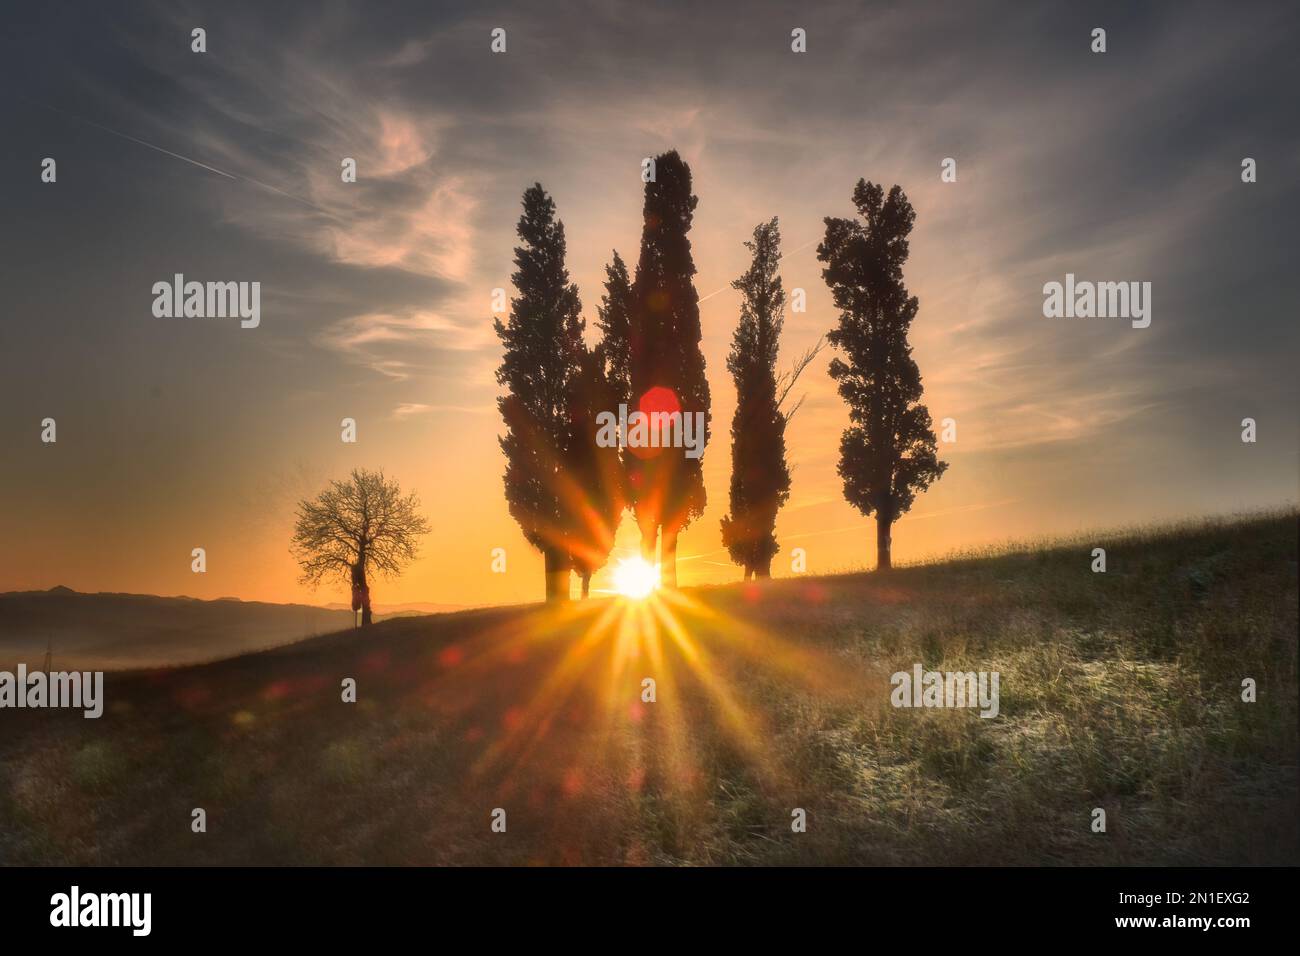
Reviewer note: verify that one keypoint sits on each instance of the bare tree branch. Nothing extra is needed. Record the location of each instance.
(364, 518)
(786, 380)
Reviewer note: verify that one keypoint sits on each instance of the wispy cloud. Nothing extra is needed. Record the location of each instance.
(408, 409)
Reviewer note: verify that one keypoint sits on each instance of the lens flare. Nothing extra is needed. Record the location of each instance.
(636, 578)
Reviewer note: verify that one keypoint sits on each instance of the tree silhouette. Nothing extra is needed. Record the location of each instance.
(760, 478)
(666, 367)
(599, 474)
(355, 527)
(887, 454)
(599, 483)
(614, 320)
(543, 351)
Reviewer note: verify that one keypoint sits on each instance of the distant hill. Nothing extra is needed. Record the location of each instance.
(384, 611)
(110, 631)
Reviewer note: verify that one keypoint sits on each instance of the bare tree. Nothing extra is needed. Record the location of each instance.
(354, 527)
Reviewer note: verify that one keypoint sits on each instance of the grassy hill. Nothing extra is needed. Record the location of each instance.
(1119, 690)
(115, 631)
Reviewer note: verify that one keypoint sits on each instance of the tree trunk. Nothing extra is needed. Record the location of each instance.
(649, 534)
(764, 570)
(668, 559)
(883, 522)
(361, 590)
(586, 585)
(557, 576)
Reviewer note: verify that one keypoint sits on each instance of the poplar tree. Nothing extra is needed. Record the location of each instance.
(760, 477)
(614, 320)
(543, 350)
(888, 452)
(666, 366)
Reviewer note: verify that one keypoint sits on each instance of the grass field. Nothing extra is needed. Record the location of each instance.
(1119, 690)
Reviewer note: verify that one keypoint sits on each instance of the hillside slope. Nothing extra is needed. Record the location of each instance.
(1119, 690)
(115, 631)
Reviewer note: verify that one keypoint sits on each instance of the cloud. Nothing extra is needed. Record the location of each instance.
(399, 345)
(1122, 166)
(433, 238)
(408, 409)
(285, 117)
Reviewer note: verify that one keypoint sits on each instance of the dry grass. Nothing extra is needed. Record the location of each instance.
(1119, 690)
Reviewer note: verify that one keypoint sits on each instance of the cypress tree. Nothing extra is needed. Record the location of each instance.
(888, 452)
(543, 350)
(760, 477)
(666, 366)
(614, 321)
(596, 494)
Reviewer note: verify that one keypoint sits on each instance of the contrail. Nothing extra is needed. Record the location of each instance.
(193, 162)
(187, 159)
(778, 259)
(82, 119)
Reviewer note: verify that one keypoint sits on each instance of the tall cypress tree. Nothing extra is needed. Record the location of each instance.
(760, 478)
(543, 351)
(613, 318)
(596, 486)
(666, 365)
(600, 473)
(888, 452)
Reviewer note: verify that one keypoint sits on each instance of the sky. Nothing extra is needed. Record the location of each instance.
(376, 295)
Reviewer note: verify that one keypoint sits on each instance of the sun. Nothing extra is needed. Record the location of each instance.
(636, 578)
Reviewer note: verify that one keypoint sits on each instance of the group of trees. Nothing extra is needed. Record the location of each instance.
(555, 480)
(569, 493)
